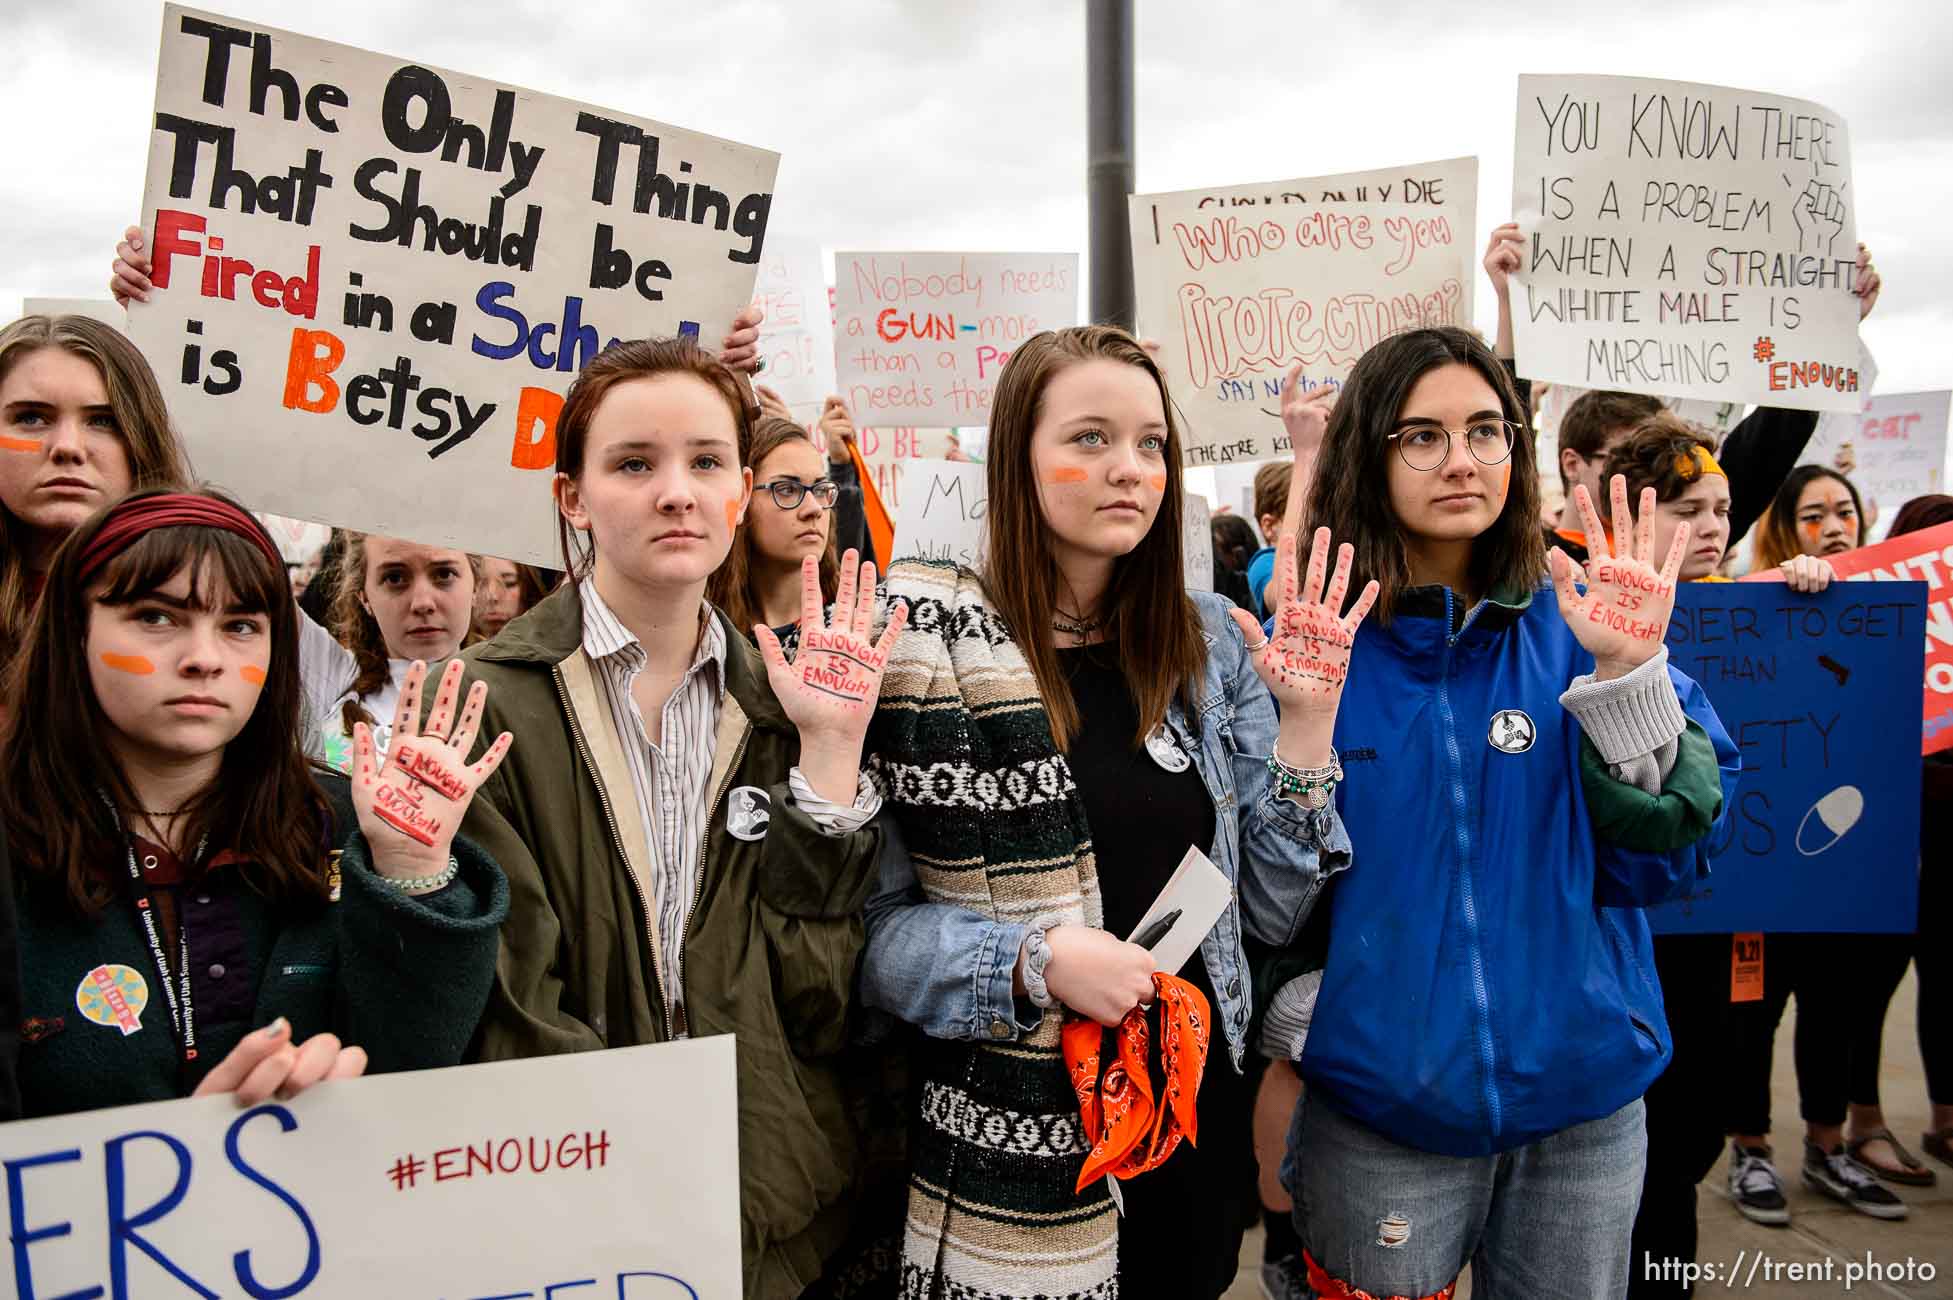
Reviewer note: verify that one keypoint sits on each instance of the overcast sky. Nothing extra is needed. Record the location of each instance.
(931, 125)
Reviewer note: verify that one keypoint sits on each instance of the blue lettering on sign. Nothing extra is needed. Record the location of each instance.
(579, 342)
(241, 1262)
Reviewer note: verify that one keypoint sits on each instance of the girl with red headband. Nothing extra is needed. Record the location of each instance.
(198, 912)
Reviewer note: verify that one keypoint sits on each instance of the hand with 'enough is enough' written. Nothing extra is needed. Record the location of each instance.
(410, 805)
(1622, 616)
(1305, 660)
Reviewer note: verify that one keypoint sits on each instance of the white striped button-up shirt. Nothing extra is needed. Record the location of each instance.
(671, 778)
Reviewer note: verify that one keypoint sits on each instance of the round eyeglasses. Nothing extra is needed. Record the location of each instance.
(1426, 446)
(788, 493)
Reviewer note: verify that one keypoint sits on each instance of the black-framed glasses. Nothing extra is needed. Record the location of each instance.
(788, 493)
(1425, 446)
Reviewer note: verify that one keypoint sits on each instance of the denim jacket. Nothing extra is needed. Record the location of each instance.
(948, 970)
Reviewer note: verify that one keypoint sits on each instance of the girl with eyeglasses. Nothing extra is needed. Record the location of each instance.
(791, 517)
(1524, 775)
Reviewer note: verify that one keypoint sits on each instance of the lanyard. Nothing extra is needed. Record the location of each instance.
(176, 985)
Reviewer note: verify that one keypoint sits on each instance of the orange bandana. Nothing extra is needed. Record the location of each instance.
(1129, 1128)
(1700, 463)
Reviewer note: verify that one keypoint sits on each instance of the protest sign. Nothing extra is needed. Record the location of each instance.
(797, 334)
(1197, 541)
(941, 512)
(375, 280)
(101, 309)
(919, 338)
(1924, 555)
(1898, 446)
(1685, 241)
(1239, 284)
(614, 1171)
(1817, 694)
(298, 541)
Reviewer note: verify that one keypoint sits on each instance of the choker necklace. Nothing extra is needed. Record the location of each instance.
(1073, 625)
(177, 812)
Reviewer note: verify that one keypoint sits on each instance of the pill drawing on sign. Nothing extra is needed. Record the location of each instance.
(1836, 812)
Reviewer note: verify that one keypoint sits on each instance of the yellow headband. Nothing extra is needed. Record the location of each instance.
(1694, 467)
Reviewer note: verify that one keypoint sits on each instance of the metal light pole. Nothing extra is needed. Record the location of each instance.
(1108, 156)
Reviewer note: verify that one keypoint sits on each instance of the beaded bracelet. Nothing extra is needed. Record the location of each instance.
(426, 884)
(1312, 785)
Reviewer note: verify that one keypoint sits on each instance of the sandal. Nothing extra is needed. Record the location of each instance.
(1939, 1145)
(1912, 1174)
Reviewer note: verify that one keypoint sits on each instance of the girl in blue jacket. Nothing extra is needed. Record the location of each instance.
(1524, 779)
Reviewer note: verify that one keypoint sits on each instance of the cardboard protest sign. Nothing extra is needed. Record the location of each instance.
(1898, 444)
(797, 334)
(615, 1171)
(1685, 241)
(1816, 692)
(1924, 555)
(919, 338)
(375, 280)
(1239, 284)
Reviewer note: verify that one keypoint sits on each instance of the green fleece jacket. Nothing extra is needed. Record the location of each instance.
(403, 977)
(769, 954)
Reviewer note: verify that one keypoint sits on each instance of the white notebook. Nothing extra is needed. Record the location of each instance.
(1202, 893)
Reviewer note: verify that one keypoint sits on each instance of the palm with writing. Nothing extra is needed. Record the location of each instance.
(1622, 616)
(411, 804)
(1305, 660)
(830, 688)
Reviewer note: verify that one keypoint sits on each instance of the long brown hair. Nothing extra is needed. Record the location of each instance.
(620, 363)
(156, 458)
(1151, 623)
(731, 585)
(55, 759)
(1776, 534)
(1351, 492)
(360, 633)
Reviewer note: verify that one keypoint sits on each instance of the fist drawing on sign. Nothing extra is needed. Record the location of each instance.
(1820, 216)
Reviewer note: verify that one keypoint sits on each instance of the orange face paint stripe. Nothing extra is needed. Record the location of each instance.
(1066, 474)
(20, 444)
(732, 514)
(132, 664)
(1158, 481)
(252, 674)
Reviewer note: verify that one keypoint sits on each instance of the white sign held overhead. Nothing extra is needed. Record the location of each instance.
(1240, 284)
(1685, 241)
(607, 1174)
(941, 513)
(375, 279)
(1898, 450)
(919, 338)
(797, 334)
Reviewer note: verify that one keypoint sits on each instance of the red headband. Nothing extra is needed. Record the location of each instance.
(132, 519)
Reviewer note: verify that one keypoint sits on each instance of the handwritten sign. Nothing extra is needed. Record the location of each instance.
(1685, 241)
(1927, 555)
(1240, 284)
(1197, 545)
(797, 335)
(1898, 441)
(1817, 693)
(375, 279)
(919, 338)
(613, 1171)
(941, 512)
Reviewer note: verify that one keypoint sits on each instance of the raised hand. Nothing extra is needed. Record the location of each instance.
(837, 430)
(740, 351)
(1305, 418)
(1622, 616)
(410, 805)
(1504, 255)
(1306, 659)
(129, 276)
(830, 688)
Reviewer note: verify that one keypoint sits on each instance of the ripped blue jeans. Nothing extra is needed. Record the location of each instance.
(1552, 1220)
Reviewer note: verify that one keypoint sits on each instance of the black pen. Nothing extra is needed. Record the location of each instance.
(1158, 930)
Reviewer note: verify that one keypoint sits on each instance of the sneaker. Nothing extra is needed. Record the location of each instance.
(1755, 1187)
(1285, 1279)
(1841, 1178)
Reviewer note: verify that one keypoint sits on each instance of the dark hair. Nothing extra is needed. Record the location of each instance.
(1271, 491)
(156, 458)
(1351, 495)
(1596, 417)
(55, 759)
(1150, 622)
(731, 585)
(1234, 541)
(617, 364)
(1922, 513)
(1776, 532)
(1659, 453)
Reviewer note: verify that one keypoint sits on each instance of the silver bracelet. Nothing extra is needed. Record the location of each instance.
(427, 884)
(1312, 785)
(1037, 955)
